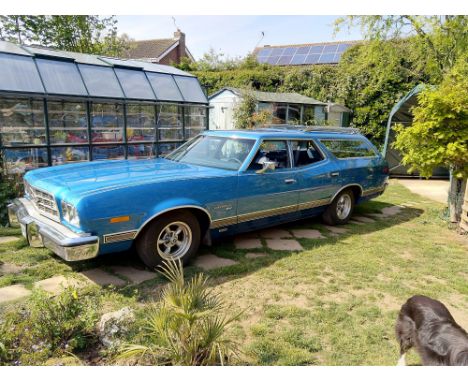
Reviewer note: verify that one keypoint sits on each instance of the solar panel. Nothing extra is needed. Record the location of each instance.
(273, 60)
(262, 60)
(289, 51)
(330, 48)
(327, 58)
(312, 59)
(298, 59)
(343, 47)
(264, 52)
(284, 60)
(277, 52)
(303, 50)
(316, 49)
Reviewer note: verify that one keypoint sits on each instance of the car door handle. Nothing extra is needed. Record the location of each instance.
(334, 173)
(290, 181)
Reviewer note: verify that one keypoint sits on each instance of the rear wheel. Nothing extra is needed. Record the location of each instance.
(341, 209)
(175, 236)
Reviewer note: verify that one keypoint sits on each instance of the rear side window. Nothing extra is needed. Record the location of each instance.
(352, 148)
(305, 153)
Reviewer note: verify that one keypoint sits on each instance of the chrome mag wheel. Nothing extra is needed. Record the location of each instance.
(174, 240)
(343, 206)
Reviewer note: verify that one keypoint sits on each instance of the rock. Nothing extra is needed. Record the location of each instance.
(113, 325)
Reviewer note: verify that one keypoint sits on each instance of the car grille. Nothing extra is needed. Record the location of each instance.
(44, 202)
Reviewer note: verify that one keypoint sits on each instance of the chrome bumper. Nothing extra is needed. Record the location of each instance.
(43, 232)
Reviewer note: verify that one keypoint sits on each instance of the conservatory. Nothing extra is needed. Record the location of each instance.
(61, 107)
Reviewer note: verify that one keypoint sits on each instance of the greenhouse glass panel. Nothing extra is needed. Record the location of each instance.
(19, 73)
(61, 77)
(107, 122)
(165, 87)
(71, 154)
(100, 81)
(166, 148)
(195, 121)
(135, 84)
(108, 152)
(191, 89)
(169, 123)
(68, 122)
(141, 123)
(18, 161)
(22, 122)
(141, 151)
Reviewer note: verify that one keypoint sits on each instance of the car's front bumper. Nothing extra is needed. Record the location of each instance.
(44, 232)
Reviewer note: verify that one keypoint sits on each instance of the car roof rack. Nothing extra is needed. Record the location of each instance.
(325, 129)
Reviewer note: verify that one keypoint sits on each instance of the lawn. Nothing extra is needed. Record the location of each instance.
(335, 303)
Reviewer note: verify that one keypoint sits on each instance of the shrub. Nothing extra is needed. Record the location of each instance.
(186, 327)
(47, 327)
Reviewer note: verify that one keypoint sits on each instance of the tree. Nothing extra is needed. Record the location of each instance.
(246, 115)
(77, 33)
(439, 133)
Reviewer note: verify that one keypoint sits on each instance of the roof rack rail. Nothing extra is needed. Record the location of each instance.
(327, 129)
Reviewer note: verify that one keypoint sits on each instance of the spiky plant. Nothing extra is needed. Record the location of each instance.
(186, 327)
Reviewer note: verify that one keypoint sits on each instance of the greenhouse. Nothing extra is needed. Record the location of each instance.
(61, 107)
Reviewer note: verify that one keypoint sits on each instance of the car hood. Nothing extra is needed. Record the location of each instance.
(90, 177)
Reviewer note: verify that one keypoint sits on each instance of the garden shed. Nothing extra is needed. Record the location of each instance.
(60, 107)
(284, 108)
(401, 114)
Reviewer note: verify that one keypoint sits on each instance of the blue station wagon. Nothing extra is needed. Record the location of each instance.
(219, 183)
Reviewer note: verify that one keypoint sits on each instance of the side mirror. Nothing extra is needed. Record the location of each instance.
(267, 166)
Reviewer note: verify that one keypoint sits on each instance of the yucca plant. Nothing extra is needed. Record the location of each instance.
(186, 327)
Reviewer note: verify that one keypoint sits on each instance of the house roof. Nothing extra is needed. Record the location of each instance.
(151, 48)
(272, 97)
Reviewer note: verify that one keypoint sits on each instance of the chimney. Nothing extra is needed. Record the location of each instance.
(178, 35)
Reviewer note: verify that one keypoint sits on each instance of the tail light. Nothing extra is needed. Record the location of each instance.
(385, 170)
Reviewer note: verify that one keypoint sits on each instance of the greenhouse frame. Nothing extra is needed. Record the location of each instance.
(61, 107)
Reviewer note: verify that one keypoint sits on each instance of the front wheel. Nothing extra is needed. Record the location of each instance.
(175, 236)
(341, 209)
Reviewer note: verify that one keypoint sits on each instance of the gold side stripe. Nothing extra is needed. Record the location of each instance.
(373, 190)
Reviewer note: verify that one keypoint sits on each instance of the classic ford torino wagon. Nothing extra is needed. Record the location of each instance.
(219, 183)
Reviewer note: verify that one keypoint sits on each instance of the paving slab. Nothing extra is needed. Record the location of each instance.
(308, 234)
(136, 276)
(99, 277)
(353, 221)
(284, 245)
(363, 219)
(247, 243)
(207, 262)
(336, 230)
(13, 292)
(8, 239)
(253, 255)
(391, 211)
(433, 189)
(275, 233)
(57, 283)
(8, 268)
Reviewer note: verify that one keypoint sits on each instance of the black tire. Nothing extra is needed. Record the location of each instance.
(331, 216)
(147, 245)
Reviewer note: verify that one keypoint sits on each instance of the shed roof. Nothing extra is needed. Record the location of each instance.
(272, 97)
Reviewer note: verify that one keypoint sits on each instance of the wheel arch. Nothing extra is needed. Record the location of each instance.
(202, 215)
(356, 188)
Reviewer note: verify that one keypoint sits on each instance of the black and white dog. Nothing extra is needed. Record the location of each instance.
(427, 325)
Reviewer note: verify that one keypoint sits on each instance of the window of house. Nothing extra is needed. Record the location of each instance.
(279, 113)
(294, 114)
(305, 153)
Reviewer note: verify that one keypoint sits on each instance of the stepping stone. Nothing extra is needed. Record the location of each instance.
(13, 292)
(7, 268)
(376, 215)
(252, 255)
(207, 262)
(307, 234)
(99, 277)
(352, 221)
(8, 239)
(247, 243)
(336, 230)
(284, 245)
(390, 211)
(56, 284)
(136, 276)
(275, 233)
(363, 219)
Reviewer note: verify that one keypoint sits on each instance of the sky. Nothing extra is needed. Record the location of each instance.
(235, 36)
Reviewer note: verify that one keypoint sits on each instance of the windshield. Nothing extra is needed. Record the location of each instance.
(220, 152)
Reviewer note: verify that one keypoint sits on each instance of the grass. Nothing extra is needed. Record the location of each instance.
(335, 303)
